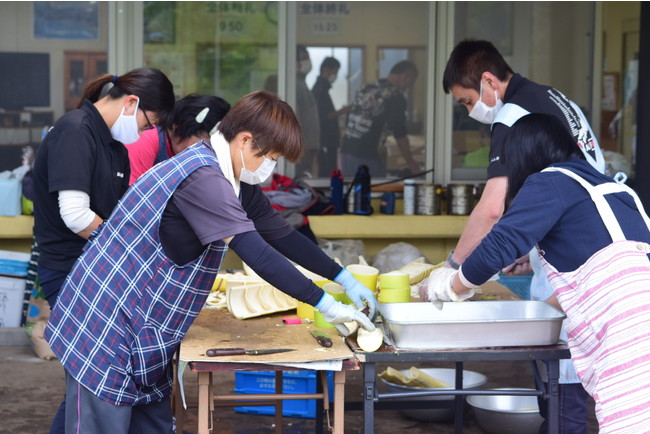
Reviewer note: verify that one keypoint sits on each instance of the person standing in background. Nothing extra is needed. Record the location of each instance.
(480, 79)
(195, 118)
(307, 113)
(377, 107)
(330, 133)
(82, 169)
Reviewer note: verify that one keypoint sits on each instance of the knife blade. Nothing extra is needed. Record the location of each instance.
(324, 340)
(437, 304)
(215, 352)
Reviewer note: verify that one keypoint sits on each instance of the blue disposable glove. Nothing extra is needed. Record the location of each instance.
(337, 313)
(357, 292)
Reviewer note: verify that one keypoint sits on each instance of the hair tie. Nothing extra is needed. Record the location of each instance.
(202, 114)
(114, 79)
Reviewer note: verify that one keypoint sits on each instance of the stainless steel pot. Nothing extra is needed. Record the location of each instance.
(460, 199)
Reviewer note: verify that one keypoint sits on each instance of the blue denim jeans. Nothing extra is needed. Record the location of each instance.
(572, 408)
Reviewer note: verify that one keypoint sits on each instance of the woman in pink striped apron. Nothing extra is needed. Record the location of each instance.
(607, 302)
(594, 239)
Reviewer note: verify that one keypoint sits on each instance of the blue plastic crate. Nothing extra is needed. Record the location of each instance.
(247, 382)
(520, 285)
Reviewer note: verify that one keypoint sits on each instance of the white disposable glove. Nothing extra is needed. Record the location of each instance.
(337, 313)
(437, 287)
(357, 293)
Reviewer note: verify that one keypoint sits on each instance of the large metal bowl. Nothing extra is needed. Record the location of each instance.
(471, 380)
(503, 414)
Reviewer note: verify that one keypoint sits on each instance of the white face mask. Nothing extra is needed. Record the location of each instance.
(126, 129)
(305, 67)
(260, 175)
(484, 114)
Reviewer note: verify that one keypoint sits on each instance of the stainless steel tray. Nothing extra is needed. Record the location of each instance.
(471, 324)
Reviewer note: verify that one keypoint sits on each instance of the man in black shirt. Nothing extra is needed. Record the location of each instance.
(330, 133)
(377, 107)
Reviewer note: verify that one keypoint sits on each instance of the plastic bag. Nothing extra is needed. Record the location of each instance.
(346, 251)
(616, 162)
(395, 256)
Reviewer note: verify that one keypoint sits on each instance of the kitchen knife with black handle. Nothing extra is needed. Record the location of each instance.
(214, 352)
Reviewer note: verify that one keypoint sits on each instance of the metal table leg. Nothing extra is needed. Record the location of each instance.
(369, 398)
(553, 396)
(320, 403)
(459, 400)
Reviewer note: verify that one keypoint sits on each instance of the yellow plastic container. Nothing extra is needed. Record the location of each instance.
(365, 274)
(394, 279)
(395, 295)
(319, 321)
(337, 292)
(306, 311)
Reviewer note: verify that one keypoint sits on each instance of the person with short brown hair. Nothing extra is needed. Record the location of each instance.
(147, 272)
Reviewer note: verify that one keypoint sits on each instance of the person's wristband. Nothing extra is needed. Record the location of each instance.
(451, 262)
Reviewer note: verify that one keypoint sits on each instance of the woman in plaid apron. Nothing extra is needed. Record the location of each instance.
(145, 274)
(594, 239)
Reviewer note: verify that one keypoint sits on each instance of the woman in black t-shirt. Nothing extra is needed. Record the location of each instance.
(82, 167)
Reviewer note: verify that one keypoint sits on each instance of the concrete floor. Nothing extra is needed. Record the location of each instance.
(31, 390)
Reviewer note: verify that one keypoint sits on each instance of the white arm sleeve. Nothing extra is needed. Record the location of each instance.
(74, 206)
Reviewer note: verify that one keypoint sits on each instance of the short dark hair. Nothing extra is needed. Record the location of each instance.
(301, 49)
(271, 121)
(533, 143)
(404, 66)
(154, 89)
(329, 63)
(469, 60)
(186, 110)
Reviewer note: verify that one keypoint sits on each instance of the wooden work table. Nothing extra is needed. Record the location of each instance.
(218, 328)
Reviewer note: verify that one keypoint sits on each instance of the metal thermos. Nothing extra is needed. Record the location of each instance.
(336, 192)
(428, 199)
(460, 199)
(361, 191)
